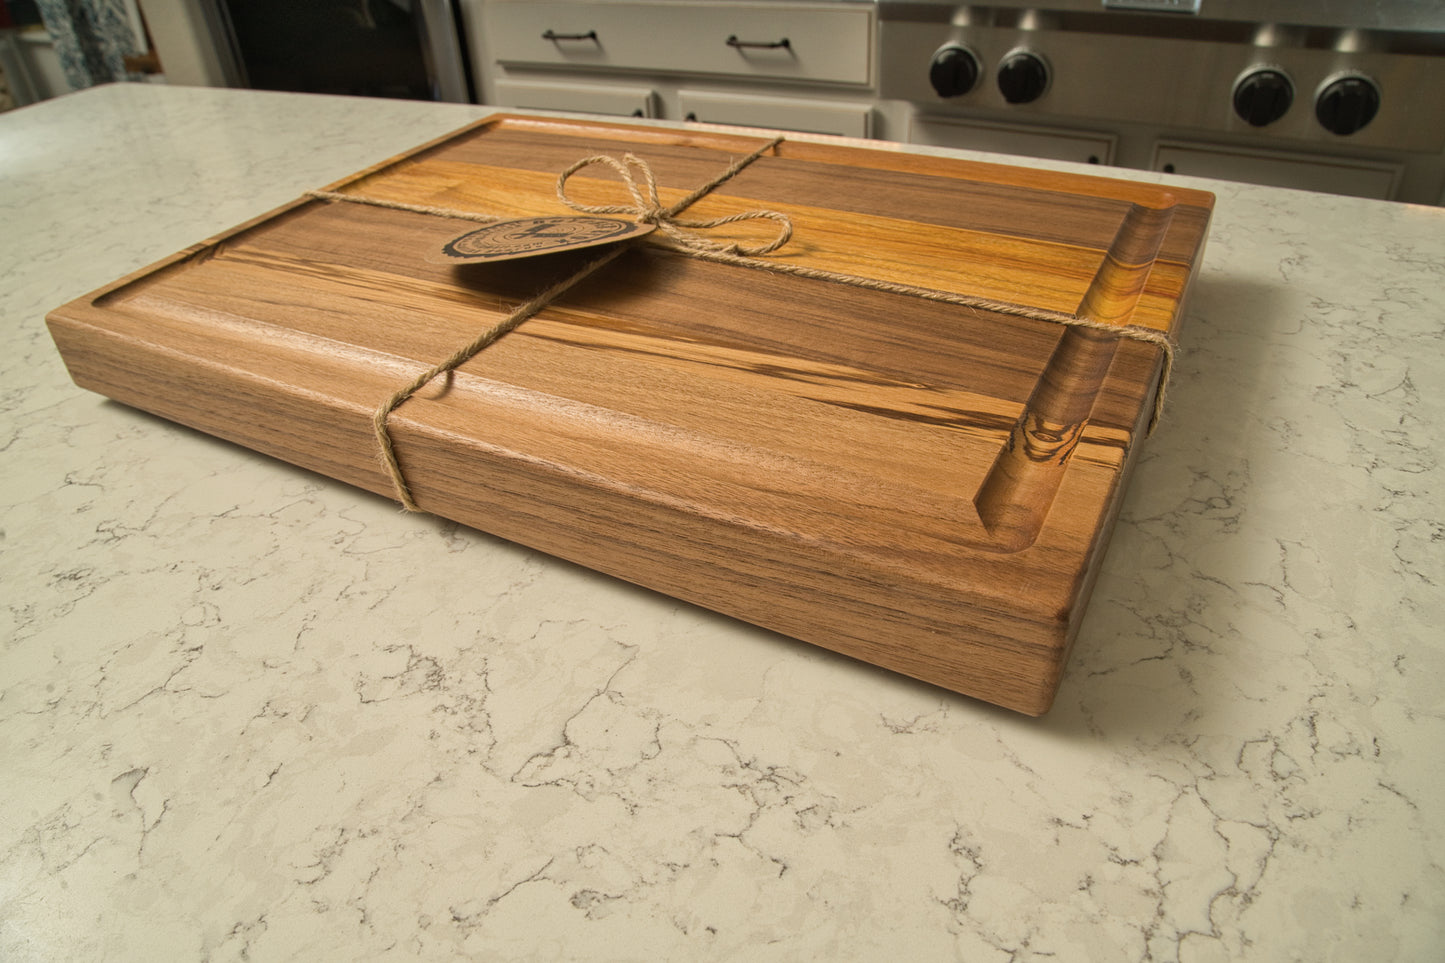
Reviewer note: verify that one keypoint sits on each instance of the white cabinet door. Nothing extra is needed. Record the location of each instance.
(1084, 147)
(828, 42)
(1307, 172)
(620, 100)
(780, 113)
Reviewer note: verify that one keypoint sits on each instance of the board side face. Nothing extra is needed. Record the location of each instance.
(804, 455)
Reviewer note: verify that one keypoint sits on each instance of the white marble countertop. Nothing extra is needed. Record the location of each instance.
(250, 713)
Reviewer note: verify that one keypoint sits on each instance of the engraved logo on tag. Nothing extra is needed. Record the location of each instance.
(528, 236)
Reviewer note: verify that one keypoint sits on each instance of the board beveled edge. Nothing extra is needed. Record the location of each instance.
(998, 656)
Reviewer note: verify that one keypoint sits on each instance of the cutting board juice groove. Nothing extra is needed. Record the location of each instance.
(1020, 488)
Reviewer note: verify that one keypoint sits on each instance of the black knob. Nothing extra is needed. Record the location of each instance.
(1262, 97)
(954, 71)
(1347, 104)
(1023, 77)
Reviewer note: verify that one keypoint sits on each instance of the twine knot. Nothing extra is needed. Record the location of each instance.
(647, 207)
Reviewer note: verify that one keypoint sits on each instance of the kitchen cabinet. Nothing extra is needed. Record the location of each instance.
(1332, 175)
(776, 41)
(623, 100)
(850, 119)
(1083, 147)
(798, 66)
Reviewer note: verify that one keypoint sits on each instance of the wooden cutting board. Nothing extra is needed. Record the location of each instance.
(924, 486)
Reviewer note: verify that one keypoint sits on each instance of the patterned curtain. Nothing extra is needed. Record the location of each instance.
(92, 38)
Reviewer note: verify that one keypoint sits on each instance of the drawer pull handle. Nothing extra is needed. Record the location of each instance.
(737, 44)
(554, 36)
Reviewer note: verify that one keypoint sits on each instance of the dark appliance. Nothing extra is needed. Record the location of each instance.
(1342, 96)
(407, 49)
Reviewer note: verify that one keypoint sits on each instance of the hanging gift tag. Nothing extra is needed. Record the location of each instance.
(531, 236)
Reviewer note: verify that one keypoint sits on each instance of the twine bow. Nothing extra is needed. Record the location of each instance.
(647, 206)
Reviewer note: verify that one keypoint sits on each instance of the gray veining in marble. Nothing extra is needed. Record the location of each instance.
(250, 713)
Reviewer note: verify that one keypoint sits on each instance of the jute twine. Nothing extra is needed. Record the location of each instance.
(678, 234)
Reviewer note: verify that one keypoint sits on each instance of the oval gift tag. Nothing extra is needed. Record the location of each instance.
(530, 236)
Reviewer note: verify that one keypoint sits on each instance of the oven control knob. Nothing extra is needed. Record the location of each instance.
(1263, 96)
(1023, 77)
(1347, 104)
(954, 71)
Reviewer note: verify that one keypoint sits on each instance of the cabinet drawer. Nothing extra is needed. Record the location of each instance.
(1084, 147)
(1332, 175)
(825, 42)
(779, 113)
(618, 100)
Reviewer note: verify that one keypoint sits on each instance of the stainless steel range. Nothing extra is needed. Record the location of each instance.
(1340, 96)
